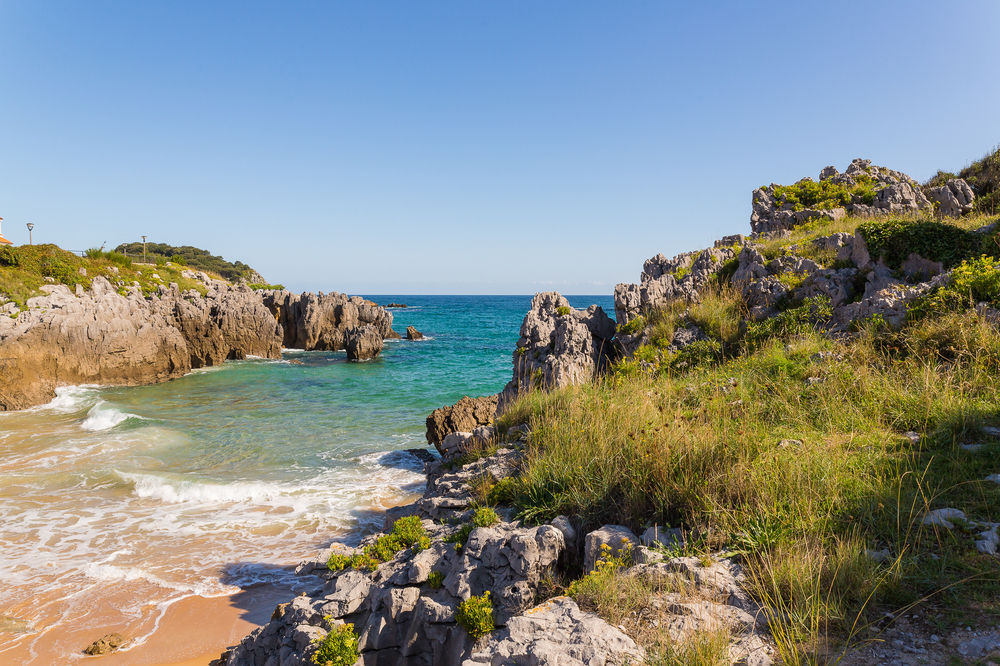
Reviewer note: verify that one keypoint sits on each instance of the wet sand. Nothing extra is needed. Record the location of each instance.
(192, 632)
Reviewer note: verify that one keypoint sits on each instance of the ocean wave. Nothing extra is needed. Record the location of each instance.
(149, 486)
(103, 417)
(70, 399)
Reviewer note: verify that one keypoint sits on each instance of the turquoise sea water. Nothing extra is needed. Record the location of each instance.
(225, 477)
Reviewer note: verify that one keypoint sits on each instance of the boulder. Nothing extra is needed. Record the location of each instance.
(464, 416)
(952, 199)
(616, 537)
(413, 334)
(557, 632)
(322, 321)
(363, 343)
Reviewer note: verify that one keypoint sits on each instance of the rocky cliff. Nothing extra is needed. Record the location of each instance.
(109, 335)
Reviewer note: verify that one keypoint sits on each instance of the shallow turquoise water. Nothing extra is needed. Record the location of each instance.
(223, 478)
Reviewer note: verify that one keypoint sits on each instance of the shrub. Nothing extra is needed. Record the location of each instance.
(895, 240)
(8, 257)
(973, 281)
(461, 536)
(984, 177)
(160, 261)
(485, 517)
(409, 530)
(436, 580)
(179, 259)
(826, 194)
(338, 648)
(563, 310)
(256, 286)
(634, 326)
(475, 615)
(503, 492)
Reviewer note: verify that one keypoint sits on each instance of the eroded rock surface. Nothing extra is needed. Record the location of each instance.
(323, 321)
(464, 416)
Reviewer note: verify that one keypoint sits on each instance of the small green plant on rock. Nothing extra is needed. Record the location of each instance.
(406, 532)
(563, 310)
(475, 615)
(485, 517)
(337, 648)
(633, 326)
(436, 580)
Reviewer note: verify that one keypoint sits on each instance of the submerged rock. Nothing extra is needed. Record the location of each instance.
(106, 644)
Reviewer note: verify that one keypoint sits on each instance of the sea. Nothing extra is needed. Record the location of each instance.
(117, 502)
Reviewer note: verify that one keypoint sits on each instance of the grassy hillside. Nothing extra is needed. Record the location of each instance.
(193, 257)
(25, 268)
(794, 451)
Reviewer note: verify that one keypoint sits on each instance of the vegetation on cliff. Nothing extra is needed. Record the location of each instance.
(983, 176)
(26, 268)
(813, 458)
(193, 257)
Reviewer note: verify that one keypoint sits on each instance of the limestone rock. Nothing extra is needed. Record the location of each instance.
(363, 343)
(952, 199)
(464, 416)
(617, 537)
(413, 334)
(560, 345)
(322, 321)
(557, 633)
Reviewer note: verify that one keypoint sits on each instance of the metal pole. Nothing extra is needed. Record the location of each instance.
(31, 225)
(143, 249)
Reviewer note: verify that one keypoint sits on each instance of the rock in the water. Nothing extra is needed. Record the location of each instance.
(363, 343)
(464, 416)
(106, 644)
(322, 321)
(413, 334)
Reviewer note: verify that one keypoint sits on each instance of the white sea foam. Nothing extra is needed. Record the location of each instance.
(70, 399)
(104, 417)
(175, 492)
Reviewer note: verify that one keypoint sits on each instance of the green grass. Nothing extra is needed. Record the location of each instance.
(699, 449)
(24, 269)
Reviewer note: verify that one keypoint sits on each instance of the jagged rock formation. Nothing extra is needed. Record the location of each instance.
(102, 336)
(121, 336)
(464, 416)
(664, 280)
(894, 192)
(560, 345)
(413, 334)
(952, 199)
(322, 321)
(363, 343)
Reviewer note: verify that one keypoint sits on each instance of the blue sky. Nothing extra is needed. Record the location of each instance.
(466, 147)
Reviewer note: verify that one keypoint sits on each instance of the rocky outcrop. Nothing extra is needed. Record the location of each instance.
(663, 280)
(893, 192)
(363, 343)
(322, 321)
(560, 345)
(111, 336)
(404, 610)
(464, 416)
(413, 334)
(952, 199)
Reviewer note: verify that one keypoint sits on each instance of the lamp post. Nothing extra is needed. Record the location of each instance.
(30, 225)
(143, 249)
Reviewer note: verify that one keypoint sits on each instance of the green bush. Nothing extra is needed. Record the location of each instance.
(983, 176)
(503, 492)
(266, 287)
(160, 261)
(178, 259)
(826, 194)
(192, 256)
(973, 281)
(895, 240)
(475, 615)
(563, 310)
(485, 517)
(8, 257)
(406, 532)
(634, 326)
(436, 580)
(337, 648)
(461, 536)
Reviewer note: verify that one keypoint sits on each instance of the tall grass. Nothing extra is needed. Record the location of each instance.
(795, 460)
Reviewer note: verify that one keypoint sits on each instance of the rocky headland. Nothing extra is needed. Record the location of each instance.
(125, 335)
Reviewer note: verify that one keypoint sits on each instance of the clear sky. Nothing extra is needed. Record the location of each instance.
(466, 147)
